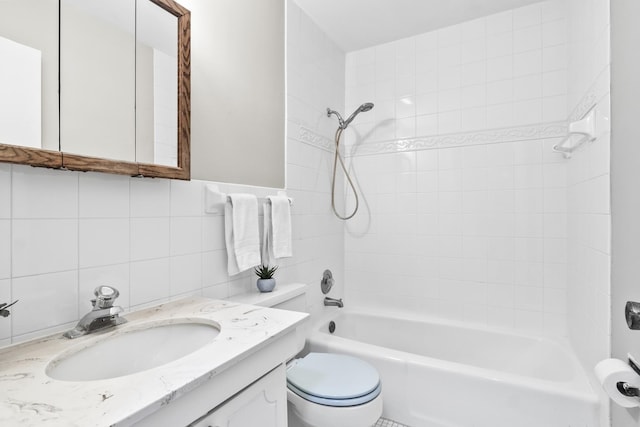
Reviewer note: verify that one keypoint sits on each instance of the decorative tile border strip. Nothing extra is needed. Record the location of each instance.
(600, 88)
(490, 136)
(314, 139)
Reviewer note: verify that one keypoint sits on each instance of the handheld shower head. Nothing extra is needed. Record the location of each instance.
(342, 125)
(367, 106)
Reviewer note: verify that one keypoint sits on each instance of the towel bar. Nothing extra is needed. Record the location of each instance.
(214, 199)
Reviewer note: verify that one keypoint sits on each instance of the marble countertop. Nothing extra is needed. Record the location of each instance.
(28, 397)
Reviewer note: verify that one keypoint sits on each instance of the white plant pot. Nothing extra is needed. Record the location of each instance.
(266, 285)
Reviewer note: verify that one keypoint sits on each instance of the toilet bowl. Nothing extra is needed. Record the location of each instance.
(333, 390)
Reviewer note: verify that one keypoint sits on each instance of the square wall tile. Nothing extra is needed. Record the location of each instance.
(5, 297)
(214, 268)
(44, 193)
(5, 249)
(499, 45)
(103, 242)
(150, 238)
(213, 237)
(116, 276)
(528, 63)
(529, 38)
(104, 196)
(527, 16)
(554, 33)
(150, 197)
(216, 291)
(553, 10)
(186, 235)
(36, 294)
(187, 198)
(42, 246)
(529, 273)
(500, 22)
(5, 191)
(529, 321)
(186, 274)
(149, 281)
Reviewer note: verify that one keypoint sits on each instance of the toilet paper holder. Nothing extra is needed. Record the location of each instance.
(627, 390)
(623, 387)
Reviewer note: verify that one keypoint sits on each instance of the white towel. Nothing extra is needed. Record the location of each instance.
(241, 232)
(277, 230)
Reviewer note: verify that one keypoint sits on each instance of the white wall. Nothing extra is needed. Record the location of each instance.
(465, 212)
(625, 175)
(238, 91)
(64, 233)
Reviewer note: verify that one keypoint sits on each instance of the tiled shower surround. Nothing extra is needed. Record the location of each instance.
(467, 213)
(468, 220)
(472, 233)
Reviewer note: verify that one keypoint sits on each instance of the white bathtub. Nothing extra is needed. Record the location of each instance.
(437, 374)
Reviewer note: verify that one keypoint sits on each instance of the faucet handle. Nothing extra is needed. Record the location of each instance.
(105, 296)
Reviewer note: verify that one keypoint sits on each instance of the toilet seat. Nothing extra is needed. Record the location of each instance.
(333, 380)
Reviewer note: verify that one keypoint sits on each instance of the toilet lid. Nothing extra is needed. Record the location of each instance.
(330, 377)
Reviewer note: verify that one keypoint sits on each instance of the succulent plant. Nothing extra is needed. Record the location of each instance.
(265, 272)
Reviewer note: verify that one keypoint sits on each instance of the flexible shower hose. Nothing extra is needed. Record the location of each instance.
(337, 158)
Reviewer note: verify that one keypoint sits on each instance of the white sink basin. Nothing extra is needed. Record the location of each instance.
(132, 351)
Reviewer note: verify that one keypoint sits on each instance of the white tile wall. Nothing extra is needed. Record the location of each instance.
(477, 231)
(103, 196)
(503, 70)
(5, 191)
(64, 233)
(5, 327)
(472, 232)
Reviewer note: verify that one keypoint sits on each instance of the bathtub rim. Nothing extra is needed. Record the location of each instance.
(579, 387)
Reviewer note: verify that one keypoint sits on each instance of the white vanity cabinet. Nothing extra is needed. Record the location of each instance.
(263, 403)
(237, 379)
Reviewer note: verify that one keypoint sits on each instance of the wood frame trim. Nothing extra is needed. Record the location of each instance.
(30, 156)
(183, 171)
(59, 159)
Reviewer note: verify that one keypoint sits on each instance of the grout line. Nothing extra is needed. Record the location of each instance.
(383, 422)
(11, 291)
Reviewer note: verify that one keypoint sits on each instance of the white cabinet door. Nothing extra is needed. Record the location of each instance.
(263, 404)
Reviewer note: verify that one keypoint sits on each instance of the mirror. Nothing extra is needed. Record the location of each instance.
(156, 85)
(29, 82)
(124, 87)
(97, 78)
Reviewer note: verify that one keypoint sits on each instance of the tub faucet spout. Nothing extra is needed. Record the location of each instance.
(333, 302)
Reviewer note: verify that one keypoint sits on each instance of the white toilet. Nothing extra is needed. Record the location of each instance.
(325, 389)
(333, 390)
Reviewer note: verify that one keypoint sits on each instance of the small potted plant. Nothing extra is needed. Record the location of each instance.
(266, 282)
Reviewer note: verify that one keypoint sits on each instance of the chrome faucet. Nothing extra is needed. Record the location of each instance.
(333, 302)
(103, 315)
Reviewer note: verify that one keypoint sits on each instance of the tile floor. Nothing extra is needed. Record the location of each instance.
(383, 422)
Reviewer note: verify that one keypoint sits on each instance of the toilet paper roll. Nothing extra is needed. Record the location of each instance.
(612, 371)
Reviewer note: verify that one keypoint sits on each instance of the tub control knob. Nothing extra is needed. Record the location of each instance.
(327, 281)
(632, 314)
